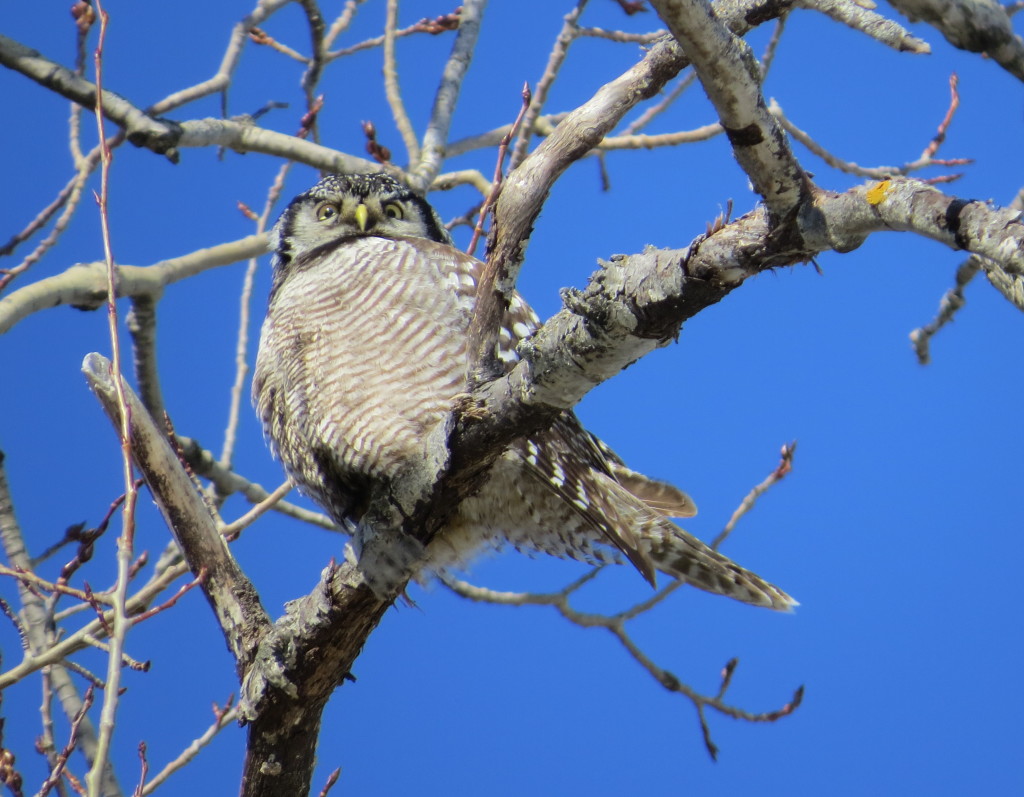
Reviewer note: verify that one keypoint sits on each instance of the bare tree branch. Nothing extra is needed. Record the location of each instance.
(392, 90)
(556, 59)
(435, 138)
(954, 299)
(85, 285)
(979, 26)
(231, 595)
(40, 635)
(860, 17)
(160, 135)
(730, 76)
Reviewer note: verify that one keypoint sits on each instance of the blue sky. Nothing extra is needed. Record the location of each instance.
(899, 529)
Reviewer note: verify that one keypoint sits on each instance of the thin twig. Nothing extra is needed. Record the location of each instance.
(41, 218)
(440, 24)
(391, 87)
(315, 65)
(773, 45)
(31, 579)
(62, 759)
(263, 222)
(167, 604)
(781, 470)
(849, 167)
(47, 743)
(492, 195)
(126, 660)
(264, 39)
(235, 528)
(86, 635)
(70, 204)
(616, 625)
(5, 607)
(125, 545)
(222, 718)
(727, 673)
(940, 135)
(341, 23)
(647, 116)
(88, 675)
(621, 36)
(566, 36)
(143, 770)
(950, 303)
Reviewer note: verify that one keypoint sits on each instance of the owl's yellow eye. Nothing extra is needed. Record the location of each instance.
(393, 210)
(326, 211)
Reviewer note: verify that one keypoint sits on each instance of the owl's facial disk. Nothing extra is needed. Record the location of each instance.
(384, 216)
(343, 206)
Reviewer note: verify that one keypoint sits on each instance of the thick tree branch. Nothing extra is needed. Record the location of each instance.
(978, 26)
(288, 670)
(435, 139)
(159, 135)
(527, 187)
(243, 136)
(229, 592)
(307, 655)
(167, 137)
(636, 303)
(85, 285)
(859, 17)
(731, 78)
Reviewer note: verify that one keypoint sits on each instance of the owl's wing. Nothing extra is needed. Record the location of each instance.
(519, 322)
(565, 459)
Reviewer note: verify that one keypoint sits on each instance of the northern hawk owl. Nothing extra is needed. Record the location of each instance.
(362, 357)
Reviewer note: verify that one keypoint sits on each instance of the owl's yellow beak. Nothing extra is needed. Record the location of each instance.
(362, 215)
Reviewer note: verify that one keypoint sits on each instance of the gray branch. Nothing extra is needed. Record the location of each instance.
(876, 26)
(978, 26)
(85, 285)
(731, 78)
(637, 303)
(159, 135)
(436, 136)
(288, 670)
(244, 136)
(230, 594)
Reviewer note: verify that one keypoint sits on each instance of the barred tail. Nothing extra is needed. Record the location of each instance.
(681, 555)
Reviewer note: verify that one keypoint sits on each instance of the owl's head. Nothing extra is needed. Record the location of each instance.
(343, 206)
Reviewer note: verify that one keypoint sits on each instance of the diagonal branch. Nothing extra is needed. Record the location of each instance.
(159, 135)
(731, 78)
(391, 88)
(231, 595)
(859, 16)
(978, 26)
(634, 304)
(435, 139)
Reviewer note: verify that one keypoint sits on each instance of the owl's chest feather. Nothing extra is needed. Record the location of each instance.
(370, 348)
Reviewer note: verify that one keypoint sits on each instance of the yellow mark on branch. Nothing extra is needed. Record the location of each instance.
(878, 192)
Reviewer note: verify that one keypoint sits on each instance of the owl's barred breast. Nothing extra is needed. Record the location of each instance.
(376, 344)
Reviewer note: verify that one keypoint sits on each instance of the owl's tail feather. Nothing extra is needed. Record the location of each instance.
(662, 497)
(681, 555)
